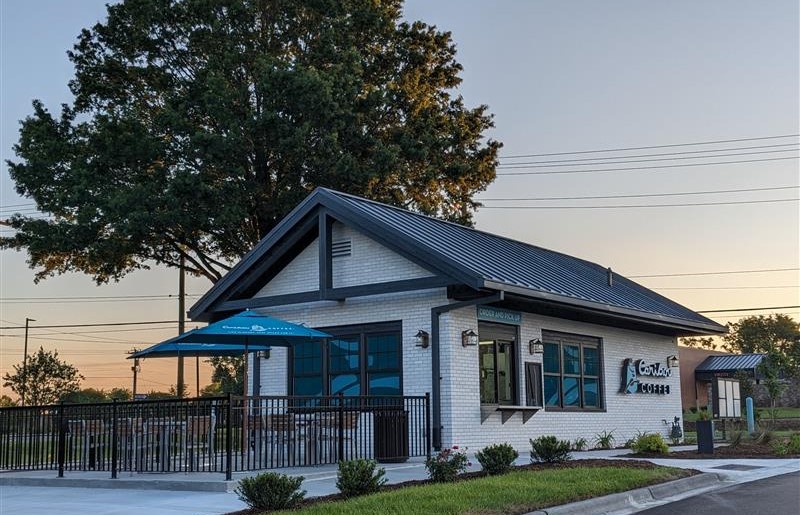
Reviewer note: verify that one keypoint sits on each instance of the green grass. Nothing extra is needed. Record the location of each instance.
(517, 492)
(764, 413)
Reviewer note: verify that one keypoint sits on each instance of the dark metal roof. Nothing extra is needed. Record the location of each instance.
(480, 260)
(730, 362)
(502, 261)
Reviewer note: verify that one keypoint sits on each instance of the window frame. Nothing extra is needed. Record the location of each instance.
(581, 341)
(362, 332)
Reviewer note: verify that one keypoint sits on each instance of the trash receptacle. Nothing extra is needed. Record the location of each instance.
(390, 441)
(705, 436)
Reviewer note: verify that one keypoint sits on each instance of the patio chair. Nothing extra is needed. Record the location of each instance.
(199, 439)
(88, 434)
(330, 433)
(281, 435)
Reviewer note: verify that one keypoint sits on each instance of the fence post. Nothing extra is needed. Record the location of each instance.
(114, 439)
(62, 439)
(229, 439)
(340, 439)
(428, 424)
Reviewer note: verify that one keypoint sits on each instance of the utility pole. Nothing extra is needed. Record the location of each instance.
(136, 368)
(181, 322)
(25, 363)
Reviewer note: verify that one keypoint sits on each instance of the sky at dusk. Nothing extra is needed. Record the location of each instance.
(559, 77)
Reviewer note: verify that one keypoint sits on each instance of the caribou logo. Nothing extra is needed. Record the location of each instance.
(629, 384)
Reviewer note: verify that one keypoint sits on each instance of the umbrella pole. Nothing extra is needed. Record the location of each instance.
(197, 373)
(244, 397)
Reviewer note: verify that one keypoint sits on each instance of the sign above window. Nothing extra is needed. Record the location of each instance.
(504, 316)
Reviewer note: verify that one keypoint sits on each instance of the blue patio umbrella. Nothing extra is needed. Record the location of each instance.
(249, 327)
(169, 349)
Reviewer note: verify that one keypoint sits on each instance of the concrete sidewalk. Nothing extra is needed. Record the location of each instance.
(145, 493)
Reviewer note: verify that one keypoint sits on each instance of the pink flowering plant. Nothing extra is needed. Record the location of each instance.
(447, 464)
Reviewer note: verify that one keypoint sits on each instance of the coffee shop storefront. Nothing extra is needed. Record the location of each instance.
(511, 341)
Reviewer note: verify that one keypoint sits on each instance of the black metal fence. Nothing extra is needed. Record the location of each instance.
(214, 434)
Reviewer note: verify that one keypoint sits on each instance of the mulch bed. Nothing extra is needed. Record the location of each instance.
(745, 450)
(632, 464)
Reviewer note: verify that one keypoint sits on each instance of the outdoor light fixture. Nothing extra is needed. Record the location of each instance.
(421, 339)
(536, 346)
(263, 354)
(469, 337)
(673, 362)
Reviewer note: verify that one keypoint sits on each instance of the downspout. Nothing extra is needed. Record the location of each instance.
(436, 358)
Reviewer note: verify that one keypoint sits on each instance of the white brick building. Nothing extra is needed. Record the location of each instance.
(401, 293)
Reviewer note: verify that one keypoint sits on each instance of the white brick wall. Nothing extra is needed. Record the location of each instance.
(370, 262)
(461, 413)
(624, 414)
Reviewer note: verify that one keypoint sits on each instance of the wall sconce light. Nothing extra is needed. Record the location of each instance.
(673, 361)
(535, 346)
(421, 339)
(469, 338)
(264, 354)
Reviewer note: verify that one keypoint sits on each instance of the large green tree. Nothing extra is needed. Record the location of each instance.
(43, 379)
(776, 335)
(198, 124)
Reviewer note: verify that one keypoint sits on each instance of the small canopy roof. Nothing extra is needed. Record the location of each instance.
(729, 364)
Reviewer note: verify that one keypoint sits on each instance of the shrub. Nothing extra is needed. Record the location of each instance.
(764, 437)
(580, 444)
(736, 438)
(359, 477)
(550, 449)
(605, 440)
(447, 465)
(780, 448)
(793, 447)
(497, 459)
(271, 491)
(650, 444)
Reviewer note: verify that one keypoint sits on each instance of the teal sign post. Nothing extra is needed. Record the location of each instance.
(504, 316)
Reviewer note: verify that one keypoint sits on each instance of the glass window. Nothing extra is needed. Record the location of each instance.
(552, 391)
(307, 368)
(571, 366)
(365, 360)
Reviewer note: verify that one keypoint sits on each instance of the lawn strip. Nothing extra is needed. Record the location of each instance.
(520, 491)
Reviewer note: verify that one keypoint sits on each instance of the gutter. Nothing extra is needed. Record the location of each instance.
(436, 358)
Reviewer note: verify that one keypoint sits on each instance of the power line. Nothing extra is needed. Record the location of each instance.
(654, 146)
(727, 288)
(110, 324)
(102, 297)
(757, 271)
(625, 160)
(746, 309)
(594, 197)
(596, 170)
(85, 301)
(629, 206)
(669, 153)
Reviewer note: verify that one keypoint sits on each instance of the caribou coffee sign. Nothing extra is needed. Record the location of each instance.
(634, 371)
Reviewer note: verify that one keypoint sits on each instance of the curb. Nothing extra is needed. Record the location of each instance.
(122, 484)
(634, 498)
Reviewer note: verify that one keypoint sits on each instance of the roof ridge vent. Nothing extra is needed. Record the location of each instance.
(610, 277)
